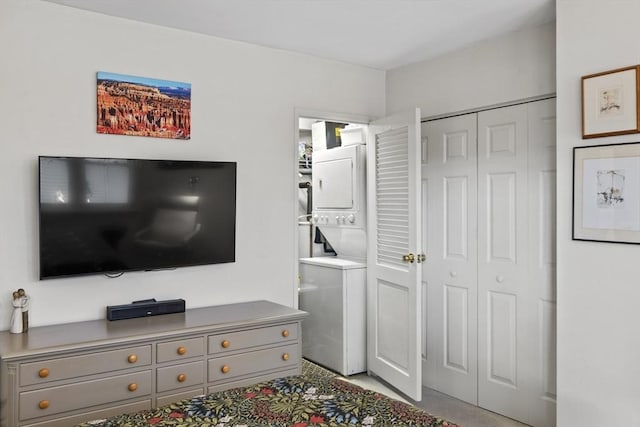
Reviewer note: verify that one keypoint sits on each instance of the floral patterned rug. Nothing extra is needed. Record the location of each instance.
(317, 398)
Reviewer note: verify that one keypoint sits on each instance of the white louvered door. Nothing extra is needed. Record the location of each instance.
(393, 285)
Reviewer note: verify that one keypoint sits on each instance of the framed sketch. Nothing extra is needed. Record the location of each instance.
(606, 193)
(610, 103)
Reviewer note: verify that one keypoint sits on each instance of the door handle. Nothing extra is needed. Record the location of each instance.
(409, 258)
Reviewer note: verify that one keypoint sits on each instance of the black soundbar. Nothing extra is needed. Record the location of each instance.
(144, 308)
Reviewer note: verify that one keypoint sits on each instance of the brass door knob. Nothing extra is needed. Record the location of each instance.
(409, 258)
(132, 387)
(285, 357)
(225, 369)
(181, 351)
(132, 358)
(225, 344)
(182, 378)
(43, 373)
(285, 333)
(43, 404)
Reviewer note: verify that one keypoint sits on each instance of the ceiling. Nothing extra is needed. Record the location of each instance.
(381, 34)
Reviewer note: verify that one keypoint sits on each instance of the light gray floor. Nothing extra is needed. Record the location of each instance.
(461, 412)
(441, 405)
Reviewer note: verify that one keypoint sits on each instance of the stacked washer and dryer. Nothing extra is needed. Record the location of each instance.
(333, 288)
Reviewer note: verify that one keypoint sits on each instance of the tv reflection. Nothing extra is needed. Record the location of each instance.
(173, 224)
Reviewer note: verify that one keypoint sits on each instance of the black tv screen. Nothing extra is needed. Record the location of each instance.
(101, 216)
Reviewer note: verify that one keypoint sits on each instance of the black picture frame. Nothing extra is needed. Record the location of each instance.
(606, 193)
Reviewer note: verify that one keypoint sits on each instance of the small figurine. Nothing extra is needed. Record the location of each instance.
(20, 315)
(16, 317)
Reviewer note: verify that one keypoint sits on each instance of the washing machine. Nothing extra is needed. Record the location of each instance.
(333, 292)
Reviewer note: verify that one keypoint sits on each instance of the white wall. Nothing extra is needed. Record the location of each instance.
(243, 101)
(515, 66)
(598, 283)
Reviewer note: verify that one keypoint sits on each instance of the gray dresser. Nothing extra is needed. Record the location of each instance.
(61, 375)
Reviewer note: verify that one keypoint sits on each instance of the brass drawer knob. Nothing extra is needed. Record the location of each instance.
(181, 351)
(225, 369)
(285, 356)
(43, 373)
(132, 358)
(43, 404)
(132, 387)
(285, 333)
(225, 344)
(182, 378)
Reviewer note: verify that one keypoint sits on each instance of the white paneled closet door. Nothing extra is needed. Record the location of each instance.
(542, 256)
(489, 278)
(505, 305)
(516, 262)
(450, 270)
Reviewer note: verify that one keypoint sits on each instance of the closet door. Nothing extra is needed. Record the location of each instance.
(505, 300)
(450, 270)
(542, 257)
(489, 278)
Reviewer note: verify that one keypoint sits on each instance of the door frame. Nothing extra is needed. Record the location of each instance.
(320, 115)
(490, 107)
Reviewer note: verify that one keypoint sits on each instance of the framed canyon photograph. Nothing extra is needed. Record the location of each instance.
(142, 106)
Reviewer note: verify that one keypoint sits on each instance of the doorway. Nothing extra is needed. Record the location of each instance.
(331, 269)
(392, 142)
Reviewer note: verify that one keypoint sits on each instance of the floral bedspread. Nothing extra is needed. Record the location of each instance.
(317, 398)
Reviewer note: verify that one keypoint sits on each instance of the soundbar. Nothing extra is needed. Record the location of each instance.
(144, 308)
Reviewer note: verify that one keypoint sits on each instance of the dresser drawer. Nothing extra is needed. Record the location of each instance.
(247, 381)
(88, 364)
(178, 376)
(180, 349)
(176, 397)
(232, 341)
(72, 420)
(228, 367)
(55, 400)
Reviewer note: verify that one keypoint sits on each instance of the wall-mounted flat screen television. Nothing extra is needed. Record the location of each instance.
(105, 216)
